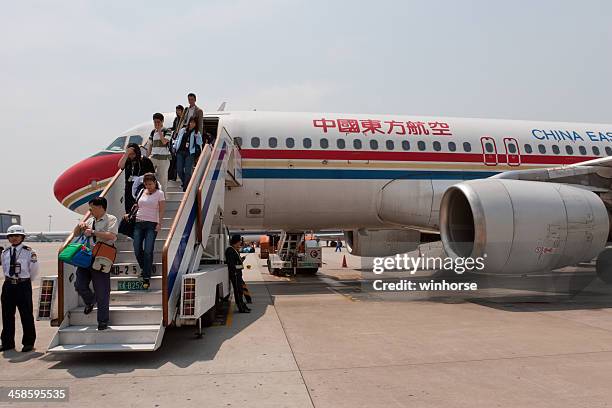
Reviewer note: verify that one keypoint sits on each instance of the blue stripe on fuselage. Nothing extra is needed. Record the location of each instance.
(84, 200)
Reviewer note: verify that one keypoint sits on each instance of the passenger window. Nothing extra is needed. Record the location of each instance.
(542, 148)
(254, 142)
(324, 143)
(582, 150)
(596, 150)
(373, 144)
(437, 146)
(389, 144)
(290, 142)
(512, 148)
(405, 145)
(569, 149)
(421, 145)
(467, 147)
(307, 143)
(340, 143)
(528, 149)
(272, 142)
(117, 145)
(555, 149)
(489, 147)
(357, 144)
(452, 146)
(238, 141)
(609, 150)
(135, 139)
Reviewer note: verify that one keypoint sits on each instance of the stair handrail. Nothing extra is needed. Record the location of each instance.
(60, 264)
(206, 152)
(200, 218)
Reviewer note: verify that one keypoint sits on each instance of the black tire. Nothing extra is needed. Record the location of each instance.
(271, 270)
(603, 266)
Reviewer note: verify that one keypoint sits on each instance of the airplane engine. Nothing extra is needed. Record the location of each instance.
(377, 243)
(522, 226)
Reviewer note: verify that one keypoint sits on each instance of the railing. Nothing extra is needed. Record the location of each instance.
(214, 169)
(117, 182)
(178, 240)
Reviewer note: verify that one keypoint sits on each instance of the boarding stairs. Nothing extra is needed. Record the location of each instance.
(192, 231)
(288, 245)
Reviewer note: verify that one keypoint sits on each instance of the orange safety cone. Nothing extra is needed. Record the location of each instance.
(344, 265)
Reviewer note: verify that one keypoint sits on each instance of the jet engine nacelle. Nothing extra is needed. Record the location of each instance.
(522, 226)
(378, 243)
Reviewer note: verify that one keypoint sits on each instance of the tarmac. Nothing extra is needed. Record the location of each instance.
(326, 341)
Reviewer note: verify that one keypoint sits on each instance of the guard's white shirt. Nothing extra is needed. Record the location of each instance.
(25, 257)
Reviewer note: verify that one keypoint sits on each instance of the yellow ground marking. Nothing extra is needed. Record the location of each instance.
(230, 315)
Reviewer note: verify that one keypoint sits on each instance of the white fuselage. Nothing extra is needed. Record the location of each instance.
(342, 171)
(326, 170)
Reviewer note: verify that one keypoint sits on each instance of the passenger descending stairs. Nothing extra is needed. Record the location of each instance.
(135, 314)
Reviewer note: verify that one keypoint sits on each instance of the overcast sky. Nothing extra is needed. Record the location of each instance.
(73, 75)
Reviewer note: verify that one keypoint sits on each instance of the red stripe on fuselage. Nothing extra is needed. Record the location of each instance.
(297, 154)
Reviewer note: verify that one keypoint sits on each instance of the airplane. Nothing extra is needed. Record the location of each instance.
(47, 236)
(528, 195)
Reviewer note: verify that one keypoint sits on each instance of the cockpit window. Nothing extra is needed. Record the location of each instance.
(117, 145)
(135, 139)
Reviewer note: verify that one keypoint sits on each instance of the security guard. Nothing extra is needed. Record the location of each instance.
(234, 268)
(20, 266)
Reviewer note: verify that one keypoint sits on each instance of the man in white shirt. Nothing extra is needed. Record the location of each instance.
(159, 149)
(103, 227)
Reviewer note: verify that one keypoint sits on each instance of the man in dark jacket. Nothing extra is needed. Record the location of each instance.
(234, 268)
(194, 111)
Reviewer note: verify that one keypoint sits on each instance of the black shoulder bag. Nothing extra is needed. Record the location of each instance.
(126, 226)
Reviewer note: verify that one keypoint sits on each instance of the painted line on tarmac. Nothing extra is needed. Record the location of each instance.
(230, 315)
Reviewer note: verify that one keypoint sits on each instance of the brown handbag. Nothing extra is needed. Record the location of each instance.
(103, 257)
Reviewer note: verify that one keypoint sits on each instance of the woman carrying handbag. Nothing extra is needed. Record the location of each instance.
(150, 208)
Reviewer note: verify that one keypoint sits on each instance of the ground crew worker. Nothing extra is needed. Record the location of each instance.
(20, 266)
(234, 268)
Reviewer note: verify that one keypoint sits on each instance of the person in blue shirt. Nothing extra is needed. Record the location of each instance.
(188, 146)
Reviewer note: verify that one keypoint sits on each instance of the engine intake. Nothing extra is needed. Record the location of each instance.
(522, 226)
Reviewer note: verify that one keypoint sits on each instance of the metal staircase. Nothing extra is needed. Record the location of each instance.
(288, 244)
(192, 229)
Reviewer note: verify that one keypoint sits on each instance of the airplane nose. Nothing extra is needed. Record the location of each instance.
(85, 180)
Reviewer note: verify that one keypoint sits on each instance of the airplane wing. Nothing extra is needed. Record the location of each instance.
(593, 175)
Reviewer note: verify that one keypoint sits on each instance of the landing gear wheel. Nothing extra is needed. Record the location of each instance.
(603, 266)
